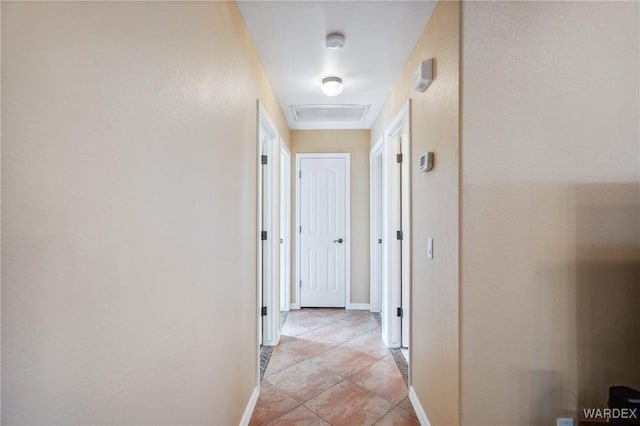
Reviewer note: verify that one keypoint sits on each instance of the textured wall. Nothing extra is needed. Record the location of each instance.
(128, 212)
(434, 196)
(355, 142)
(550, 208)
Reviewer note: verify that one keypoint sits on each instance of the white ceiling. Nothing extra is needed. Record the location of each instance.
(290, 39)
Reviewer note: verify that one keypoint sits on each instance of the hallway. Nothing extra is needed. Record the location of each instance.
(331, 367)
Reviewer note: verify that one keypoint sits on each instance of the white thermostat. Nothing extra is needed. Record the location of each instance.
(425, 163)
(423, 75)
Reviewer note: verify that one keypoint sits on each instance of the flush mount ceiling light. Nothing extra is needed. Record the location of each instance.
(335, 41)
(332, 86)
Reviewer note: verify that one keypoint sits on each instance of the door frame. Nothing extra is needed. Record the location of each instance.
(375, 218)
(285, 225)
(267, 220)
(397, 135)
(347, 157)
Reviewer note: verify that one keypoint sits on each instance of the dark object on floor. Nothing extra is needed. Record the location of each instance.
(627, 402)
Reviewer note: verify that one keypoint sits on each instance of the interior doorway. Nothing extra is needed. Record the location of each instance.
(323, 224)
(268, 312)
(396, 231)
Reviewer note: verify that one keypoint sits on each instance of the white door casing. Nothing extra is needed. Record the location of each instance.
(405, 148)
(268, 255)
(396, 214)
(323, 229)
(375, 222)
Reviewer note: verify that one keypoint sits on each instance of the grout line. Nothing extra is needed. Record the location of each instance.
(330, 387)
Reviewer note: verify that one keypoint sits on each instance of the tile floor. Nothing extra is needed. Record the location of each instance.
(331, 368)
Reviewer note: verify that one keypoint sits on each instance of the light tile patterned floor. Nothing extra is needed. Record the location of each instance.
(331, 368)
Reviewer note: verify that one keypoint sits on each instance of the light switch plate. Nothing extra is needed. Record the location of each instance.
(430, 248)
(564, 422)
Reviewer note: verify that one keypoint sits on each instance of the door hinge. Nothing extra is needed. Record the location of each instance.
(399, 158)
(300, 283)
(264, 159)
(263, 235)
(263, 311)
(300, 229)
(300, 174)
(399, 235)
(399, 312)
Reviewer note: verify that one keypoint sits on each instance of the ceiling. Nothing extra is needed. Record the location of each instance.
(290, 39)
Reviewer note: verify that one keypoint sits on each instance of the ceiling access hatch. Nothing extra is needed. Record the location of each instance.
(338, 112)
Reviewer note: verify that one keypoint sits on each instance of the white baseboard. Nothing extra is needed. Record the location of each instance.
(294, 306)
(417, 407)
(358, 306)
(246, 417)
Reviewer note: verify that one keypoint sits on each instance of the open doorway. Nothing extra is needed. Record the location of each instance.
(268, 224)
(396, 231)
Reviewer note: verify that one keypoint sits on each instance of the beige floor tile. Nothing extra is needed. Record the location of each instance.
(322, 347)
(370, 343)
(398, 417)
(348, 404)
(304, 380)
(382, 378)
(271, 404)
(300, 416)
(344, 361)
(340, 331)
(406, 404)
(291, 352)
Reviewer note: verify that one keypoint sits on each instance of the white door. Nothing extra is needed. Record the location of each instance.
(323, 228)
(396, 226)
(392, 244)
(285, 221)
(375, 264)
(268, 234)
(405, 222)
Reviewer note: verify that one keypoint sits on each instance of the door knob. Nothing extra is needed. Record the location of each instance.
(339, 240)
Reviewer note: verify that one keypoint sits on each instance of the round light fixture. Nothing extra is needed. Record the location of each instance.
(335, 41)
(332, 86)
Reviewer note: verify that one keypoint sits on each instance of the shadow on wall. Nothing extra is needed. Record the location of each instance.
(559, 307)
(607, 290)
(547, 396)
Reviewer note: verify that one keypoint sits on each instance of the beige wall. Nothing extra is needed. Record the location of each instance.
(434, 304)
(355, 142)
(550, 208)
(128, 212)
